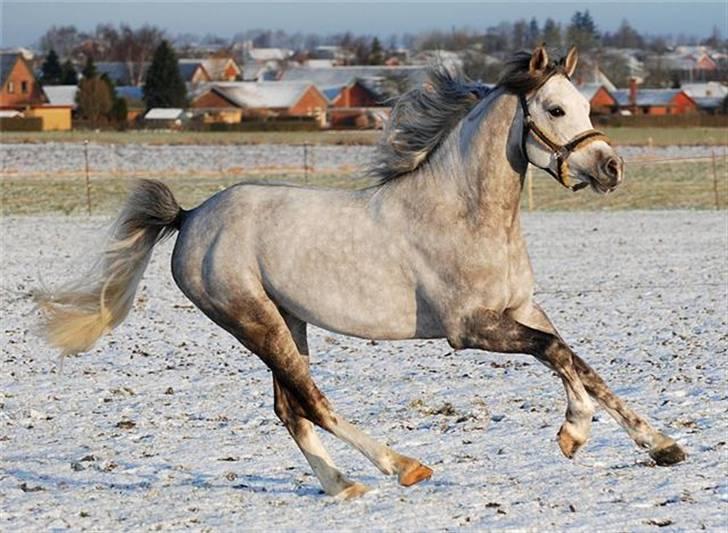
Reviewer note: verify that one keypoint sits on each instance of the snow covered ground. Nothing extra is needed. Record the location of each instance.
(168, 424)
(54, 159)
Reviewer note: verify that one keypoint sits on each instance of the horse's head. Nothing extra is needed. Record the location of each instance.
(558, 135)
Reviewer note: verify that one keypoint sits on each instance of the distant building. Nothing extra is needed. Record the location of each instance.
(166, 117)
(223, 102)
(264, 55)
(709, 96)
(383, 81)
(654, 101)
(20, 89)
(122, 73)
(62, 95)
(601, 100)
(216, 68)
(193, 72)
(21, 92)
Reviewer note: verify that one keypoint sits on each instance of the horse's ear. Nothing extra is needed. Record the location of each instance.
(570, 63)
(539, 60)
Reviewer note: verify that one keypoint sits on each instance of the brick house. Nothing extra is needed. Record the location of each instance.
(20, 91)
(654, 101)
(225, 101)
(600, 99)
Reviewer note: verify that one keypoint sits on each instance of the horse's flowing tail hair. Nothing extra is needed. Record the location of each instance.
(76, 315)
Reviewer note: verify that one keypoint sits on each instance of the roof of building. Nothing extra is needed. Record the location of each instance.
(374, 78)
(709, 102)
(117, 71)
(588, 90)
(188, 70)
(214, 66)
(269, 54)
(332, 76)
(164, 113)
(129, 92)
(62, 95)
(705, 90)
(262, 95)
(7, 62)
(332, 92)
(647, 97)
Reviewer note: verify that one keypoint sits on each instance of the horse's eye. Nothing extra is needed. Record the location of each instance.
(557, 112)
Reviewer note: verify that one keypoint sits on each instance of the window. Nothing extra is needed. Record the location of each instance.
(11, 87)
(24, 87)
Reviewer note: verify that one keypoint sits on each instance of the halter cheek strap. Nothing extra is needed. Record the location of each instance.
(560, 152)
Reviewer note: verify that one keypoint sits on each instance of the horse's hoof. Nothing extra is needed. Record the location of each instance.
(568, 443)
(416, 473)
(668, 455)
(353, 491)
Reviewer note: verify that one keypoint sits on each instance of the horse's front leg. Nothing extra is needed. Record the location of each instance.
(663, 449)
(498, 332)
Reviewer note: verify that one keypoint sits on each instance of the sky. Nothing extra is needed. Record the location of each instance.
(23, 22)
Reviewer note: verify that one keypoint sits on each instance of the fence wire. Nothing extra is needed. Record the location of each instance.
(99, 186)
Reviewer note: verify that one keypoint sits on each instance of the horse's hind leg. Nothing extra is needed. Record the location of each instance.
(302, 430)
(262, 329)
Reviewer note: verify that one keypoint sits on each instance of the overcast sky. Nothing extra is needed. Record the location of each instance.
(23, 22)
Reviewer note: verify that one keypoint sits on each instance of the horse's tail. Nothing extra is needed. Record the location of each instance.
(78, 314)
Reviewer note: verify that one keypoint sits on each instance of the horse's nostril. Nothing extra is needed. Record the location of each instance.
(611, 167)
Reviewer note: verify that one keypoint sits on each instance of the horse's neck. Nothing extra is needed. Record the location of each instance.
(478, 170)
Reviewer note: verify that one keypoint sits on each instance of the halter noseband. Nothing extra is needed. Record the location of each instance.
(560, 152)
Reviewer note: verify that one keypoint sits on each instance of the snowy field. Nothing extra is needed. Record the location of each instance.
(168, 424)
(55, 159)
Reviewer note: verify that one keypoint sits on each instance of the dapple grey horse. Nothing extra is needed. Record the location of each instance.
(435, 250)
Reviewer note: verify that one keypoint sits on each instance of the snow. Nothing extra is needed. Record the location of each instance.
(54, 159)
(168, 423)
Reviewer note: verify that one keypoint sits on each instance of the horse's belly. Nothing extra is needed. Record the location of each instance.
(351, 303)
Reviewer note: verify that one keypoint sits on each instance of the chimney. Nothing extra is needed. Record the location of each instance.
(633, 92)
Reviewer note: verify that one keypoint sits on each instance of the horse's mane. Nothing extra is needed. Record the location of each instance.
(422, 118)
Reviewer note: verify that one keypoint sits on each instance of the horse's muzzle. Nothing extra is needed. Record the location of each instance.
(610, 174)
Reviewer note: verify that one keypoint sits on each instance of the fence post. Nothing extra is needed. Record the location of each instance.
(715, 182)
(529, 187)
(305, 163)
(88, 182)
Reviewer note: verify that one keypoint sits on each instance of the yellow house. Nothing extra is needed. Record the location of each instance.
(55, 117)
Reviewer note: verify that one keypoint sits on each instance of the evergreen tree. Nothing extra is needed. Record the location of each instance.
(533, 35)
(89, 69)
(552, 33)
(68, 73)
(164, 86)
(582, 31)
(376, 54)
(51, 71)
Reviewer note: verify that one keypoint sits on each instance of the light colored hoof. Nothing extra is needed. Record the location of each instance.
(669, 454)
(568, 443)
(353, 491)
(414, 474)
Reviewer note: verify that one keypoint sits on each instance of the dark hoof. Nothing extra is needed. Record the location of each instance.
(669, 455)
